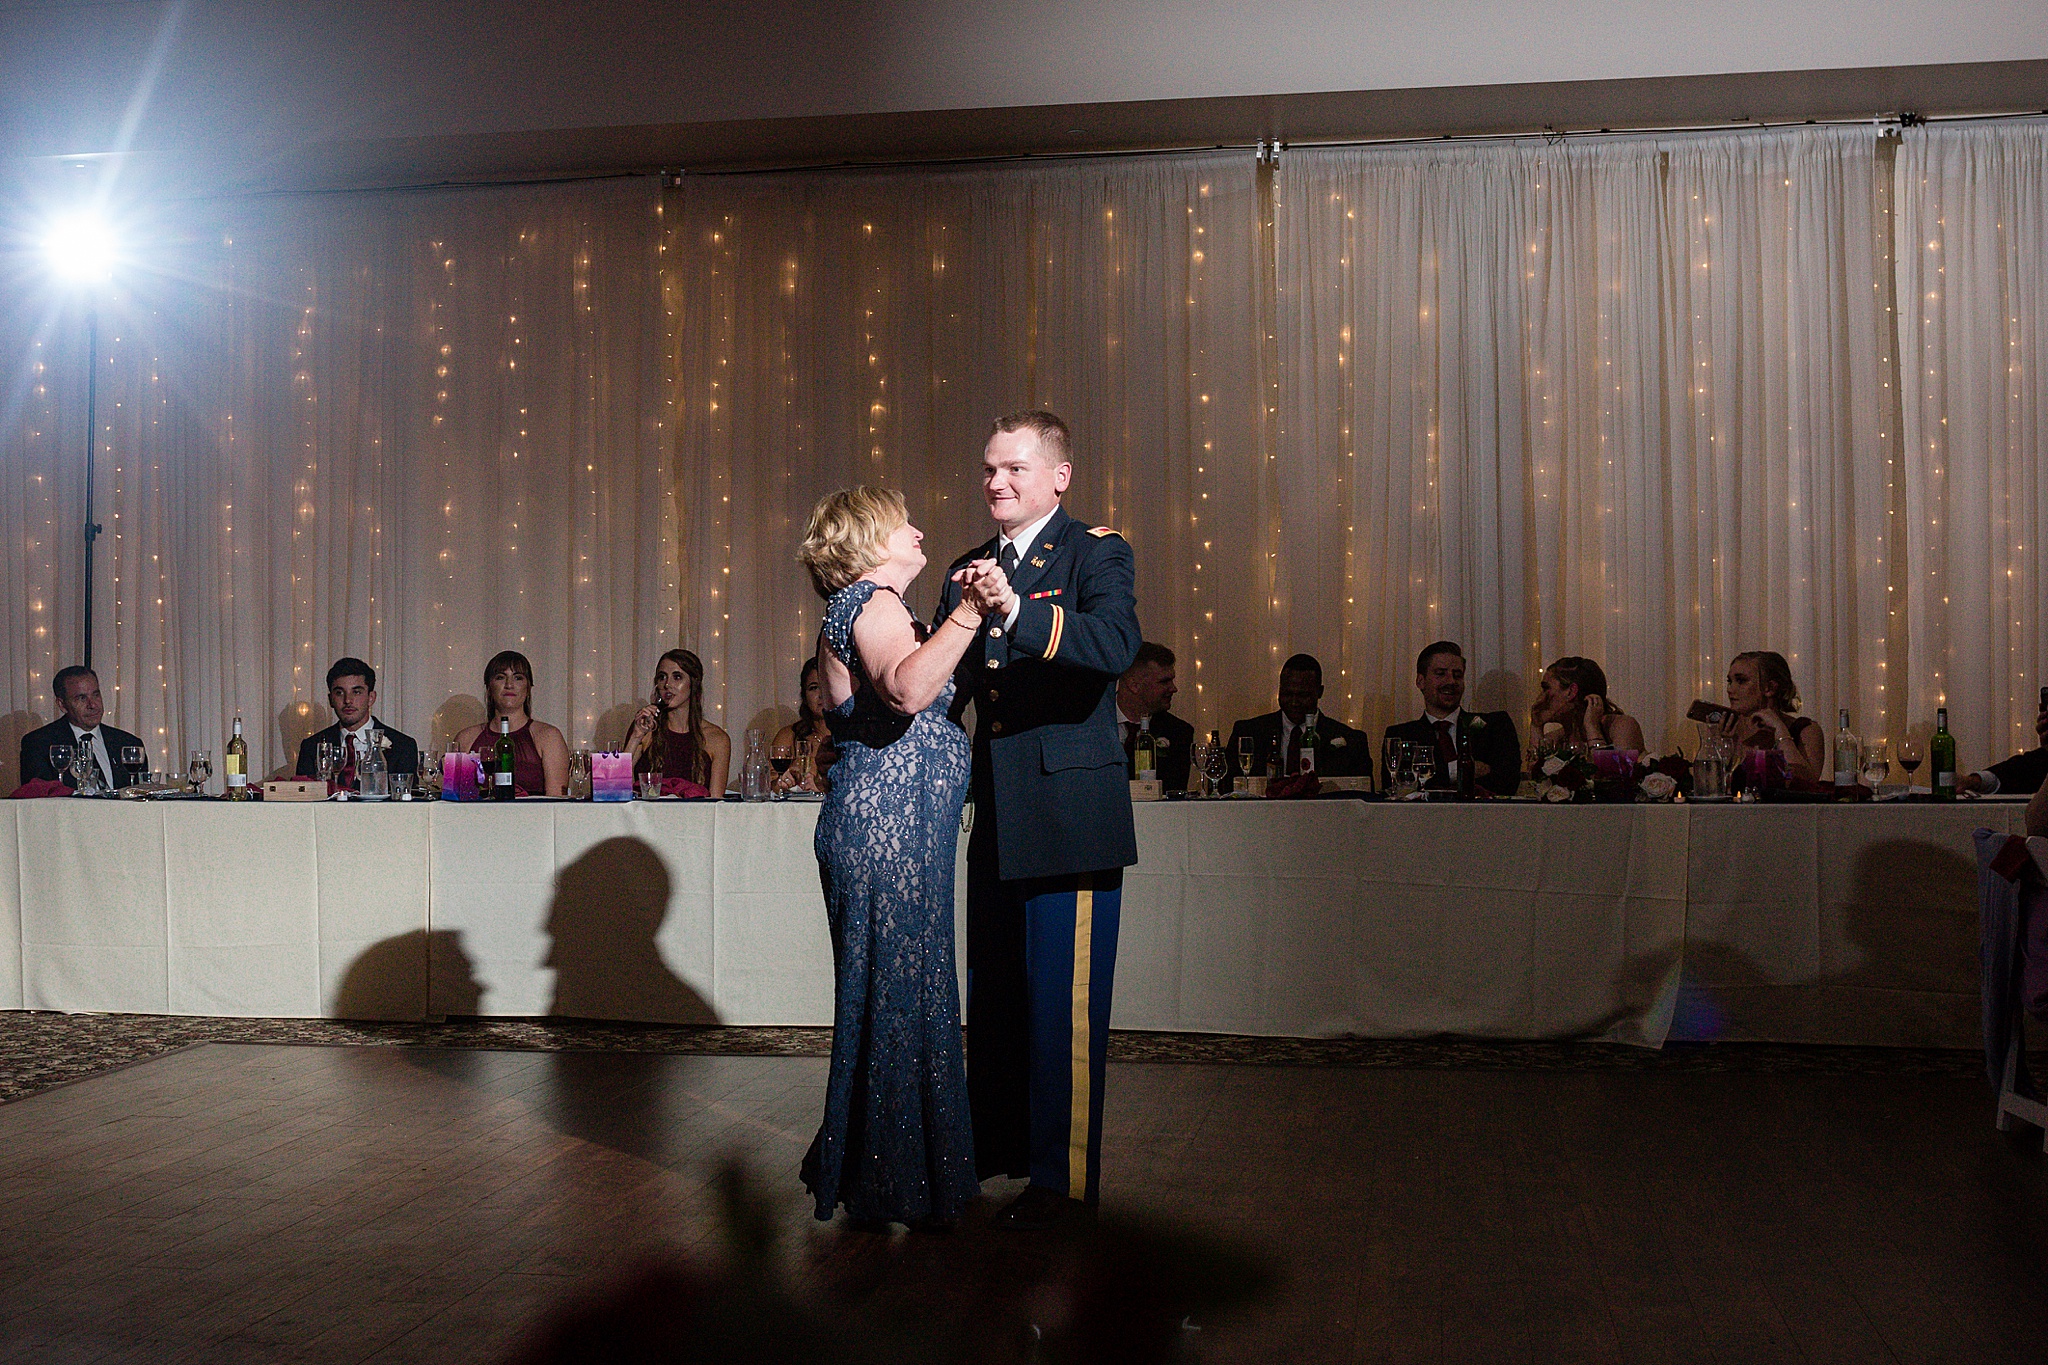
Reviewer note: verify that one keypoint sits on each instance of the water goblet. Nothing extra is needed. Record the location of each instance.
(60, 759)
(1423, 760)
(198, 769)
(1876, 764)
(1215, 768)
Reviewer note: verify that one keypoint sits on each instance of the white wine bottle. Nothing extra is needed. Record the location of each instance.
(236, 761)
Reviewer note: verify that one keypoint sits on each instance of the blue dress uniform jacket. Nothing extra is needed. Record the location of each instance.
(1046, 744)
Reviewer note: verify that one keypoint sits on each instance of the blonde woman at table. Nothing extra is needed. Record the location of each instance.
(540, 756)
(1764, 702)
(1574, 699)
(897, 1143)
(670, 734)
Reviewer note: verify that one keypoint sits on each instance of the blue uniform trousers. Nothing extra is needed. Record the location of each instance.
(1041, 966)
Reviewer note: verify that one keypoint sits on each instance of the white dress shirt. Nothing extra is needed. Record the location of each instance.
(98, 743)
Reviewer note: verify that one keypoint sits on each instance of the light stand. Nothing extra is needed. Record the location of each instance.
(92, 445)
(81, 252)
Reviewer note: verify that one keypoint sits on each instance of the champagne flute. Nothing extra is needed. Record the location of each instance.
(1910, 754)
(1244, 755)
(807, 775)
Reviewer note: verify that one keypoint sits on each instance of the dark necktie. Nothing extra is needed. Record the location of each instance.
(92, 751)
(1293, 764)
(1008, 560)
(1446, 747)
(1130, 739)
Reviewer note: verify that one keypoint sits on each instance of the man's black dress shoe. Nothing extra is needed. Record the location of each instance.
(1038, 1209)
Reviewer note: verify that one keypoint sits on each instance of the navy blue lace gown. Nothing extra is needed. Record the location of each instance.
(896, 1143)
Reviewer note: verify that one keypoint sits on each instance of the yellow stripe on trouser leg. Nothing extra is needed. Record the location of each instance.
(1082, 1104)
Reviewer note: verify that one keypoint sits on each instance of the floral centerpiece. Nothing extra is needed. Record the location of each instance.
(1565, 775)
(1665, 779)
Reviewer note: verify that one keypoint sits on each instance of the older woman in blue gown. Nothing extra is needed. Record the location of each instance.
(895, 1145)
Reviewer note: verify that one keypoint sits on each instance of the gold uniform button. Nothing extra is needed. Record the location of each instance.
(994, 695)
(995, 663)
(995, 632)
(996, 728)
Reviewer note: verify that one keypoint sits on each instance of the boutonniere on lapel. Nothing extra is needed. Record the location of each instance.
(1161, 742)
(383, 740)
(1338, 743)
(1473, 722)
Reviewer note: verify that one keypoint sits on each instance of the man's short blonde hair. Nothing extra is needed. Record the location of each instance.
(848, 535)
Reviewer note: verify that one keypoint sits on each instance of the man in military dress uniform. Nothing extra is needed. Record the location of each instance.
(1052, 825)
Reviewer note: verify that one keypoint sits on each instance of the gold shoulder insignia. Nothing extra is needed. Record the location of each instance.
(1102, 530)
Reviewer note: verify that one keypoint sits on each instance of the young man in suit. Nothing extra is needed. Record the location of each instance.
(1142, 695)
(1276, 736)
(78, 697)
(1496, 749)
(1052, 825)
(352, 692)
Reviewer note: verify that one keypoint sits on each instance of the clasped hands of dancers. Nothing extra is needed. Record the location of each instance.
(1034, 627)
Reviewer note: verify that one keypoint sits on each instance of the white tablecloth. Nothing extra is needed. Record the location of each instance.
(1799, 923)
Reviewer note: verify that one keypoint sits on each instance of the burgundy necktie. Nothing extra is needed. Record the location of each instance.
(1446, 747)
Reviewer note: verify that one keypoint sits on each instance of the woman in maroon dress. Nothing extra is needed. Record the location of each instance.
(670, 734)
(540, 756)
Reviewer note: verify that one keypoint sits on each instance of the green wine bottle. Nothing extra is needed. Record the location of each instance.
(1941, 758)
(501, 762)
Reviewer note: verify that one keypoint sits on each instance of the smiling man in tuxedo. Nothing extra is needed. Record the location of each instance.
(78, 696)
(1496, 749)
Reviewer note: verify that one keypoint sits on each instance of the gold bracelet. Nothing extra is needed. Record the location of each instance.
(954, 618)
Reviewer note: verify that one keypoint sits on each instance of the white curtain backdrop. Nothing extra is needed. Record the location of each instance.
(417, 428)
(1628, 398)
(1620, 399)
(1972, 228)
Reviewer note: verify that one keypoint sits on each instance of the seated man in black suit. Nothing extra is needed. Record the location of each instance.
(78, 696)
(352, 692)
(1496, 749)
(2020, 775)
(1142, 695)
(1340, 751)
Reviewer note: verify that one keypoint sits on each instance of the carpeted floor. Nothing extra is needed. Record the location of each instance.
(39, 1050)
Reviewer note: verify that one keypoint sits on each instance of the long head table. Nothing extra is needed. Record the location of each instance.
(1848, 924)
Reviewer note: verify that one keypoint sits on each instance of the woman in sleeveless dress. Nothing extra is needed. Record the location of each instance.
(1763, 704)
(895, 1145)
(1572, 696)
(670, 735)
(540, 756)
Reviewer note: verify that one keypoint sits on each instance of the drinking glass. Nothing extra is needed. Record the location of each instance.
(1215, 768)
(579, 775)
(780, 756)
(328, 754)
(60, 759)
(1910, 754)
(134, 758)
(650, 786)
(1198, 756)
(401, 786)
(429, 782)
(1876, 764)
(805, 753)
(1422, 758)
(1244, 755)
(198, 769)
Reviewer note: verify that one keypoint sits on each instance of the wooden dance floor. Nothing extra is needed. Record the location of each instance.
(281, 1203)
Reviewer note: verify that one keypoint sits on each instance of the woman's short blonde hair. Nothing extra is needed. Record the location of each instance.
(848, 534)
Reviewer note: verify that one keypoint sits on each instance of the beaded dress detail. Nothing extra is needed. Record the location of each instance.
(896, 1143)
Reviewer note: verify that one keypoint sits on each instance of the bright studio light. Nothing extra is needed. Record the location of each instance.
(80, 249)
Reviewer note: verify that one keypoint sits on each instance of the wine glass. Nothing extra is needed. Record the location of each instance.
(60, 759)
(134, 758)
(431, 763)
(198, 769)
(1423, 760)
(1876, 764)
(1244, 755)
(1215, 768)
(780, 756)
(1910, 753)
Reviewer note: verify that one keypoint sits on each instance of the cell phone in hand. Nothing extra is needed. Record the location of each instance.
(1712, 713)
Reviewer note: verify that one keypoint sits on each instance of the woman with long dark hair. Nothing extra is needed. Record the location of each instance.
(540, 756)
(670, 734)
(1574, 697)
(810, 725)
